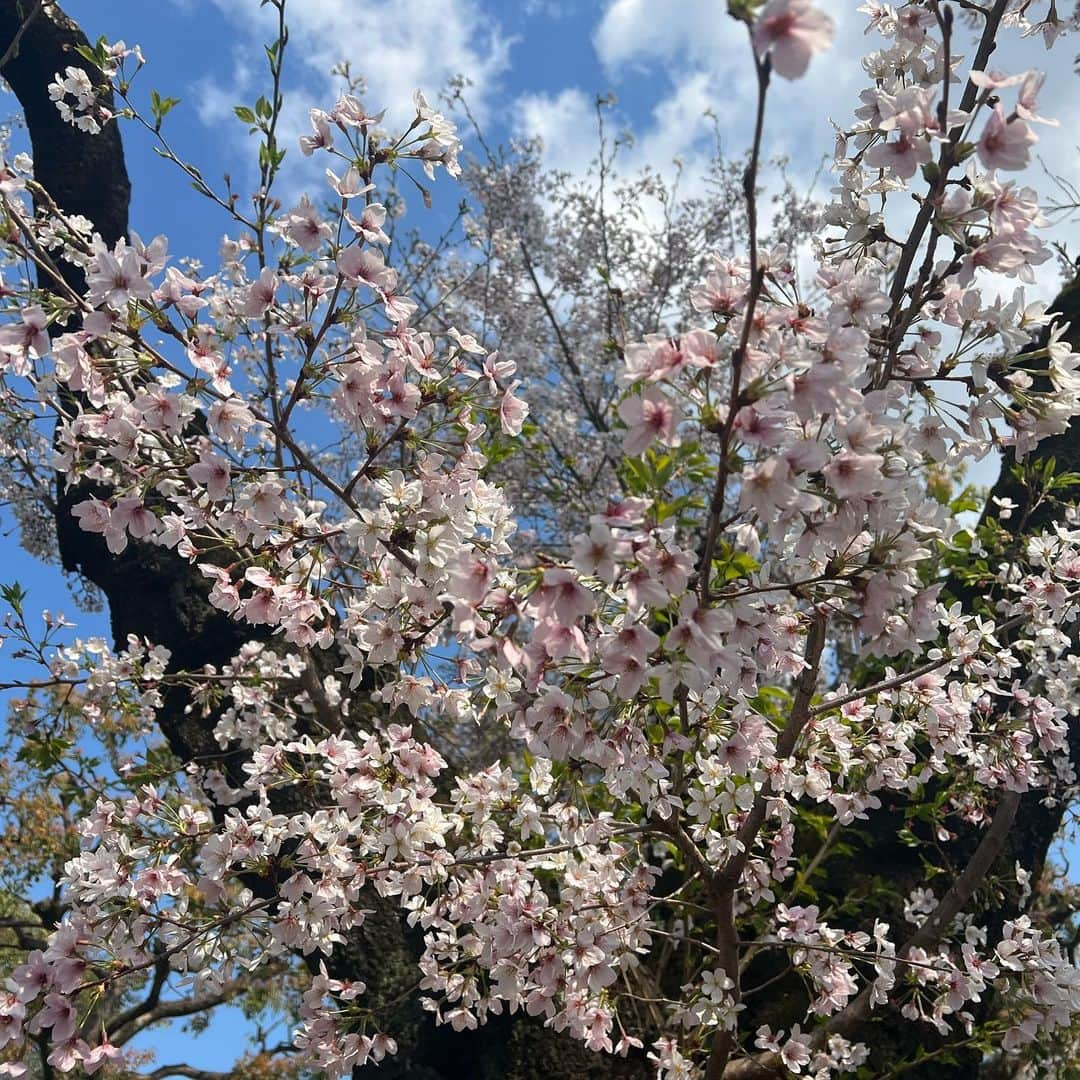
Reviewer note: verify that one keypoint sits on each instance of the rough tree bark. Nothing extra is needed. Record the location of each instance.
(153, 593)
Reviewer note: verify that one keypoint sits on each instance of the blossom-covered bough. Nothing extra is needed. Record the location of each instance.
(600, 778)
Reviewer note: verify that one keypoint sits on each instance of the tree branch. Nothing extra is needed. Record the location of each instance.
(770, 1067)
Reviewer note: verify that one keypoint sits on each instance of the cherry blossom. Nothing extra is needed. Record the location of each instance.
(760, 636)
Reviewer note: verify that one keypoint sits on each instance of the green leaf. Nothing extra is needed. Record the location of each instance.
(966, 501)
(1065, 480)
(87, 53)
(160, 107)
(14, 595)
(43, 751)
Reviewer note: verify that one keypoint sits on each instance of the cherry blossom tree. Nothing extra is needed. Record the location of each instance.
(748, 769)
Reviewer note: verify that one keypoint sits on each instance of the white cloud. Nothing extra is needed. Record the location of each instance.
(697, 58)
(549, 9)
(689, 56)
(698, 61)
(698, 37)
(398, 45)
(565, 122)
(679, 125)
(635, 32)
(678, 138)
(679, 121)
(215, 100)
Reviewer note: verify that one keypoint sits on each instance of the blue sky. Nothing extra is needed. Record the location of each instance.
(536, 68)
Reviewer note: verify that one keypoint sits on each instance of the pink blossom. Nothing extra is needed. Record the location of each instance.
(212, 471)
(59, 1014)
(792, 31)
(850, 474)
(349, 185)
(31, 977)
(102, 1054)
(1005, 144)
(364, 267)
(260, 295)
(115, 278)
(68, 1054)
(92, 514)
(901, 156)
(562, 596)
(597, 551)
(303, 226)
(12, 1014)
(512, 411)
(323, 137)
(1026, 98)
(649, 416)
(28, 339)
